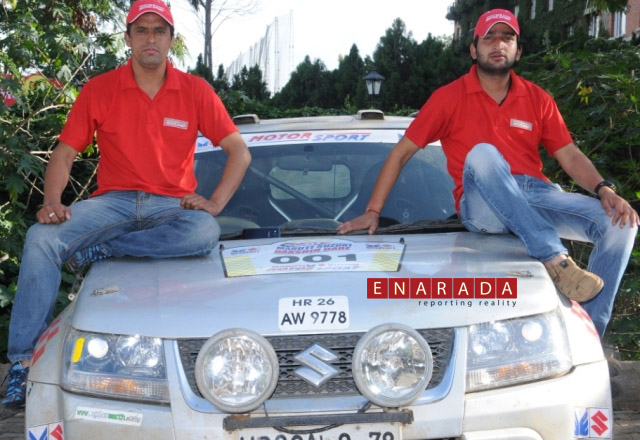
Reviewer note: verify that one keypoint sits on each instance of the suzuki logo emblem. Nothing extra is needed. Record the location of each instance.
(316, 370)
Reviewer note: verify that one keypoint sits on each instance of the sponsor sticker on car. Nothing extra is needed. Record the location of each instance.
(108, 416)
(592, 423)
(312, 255)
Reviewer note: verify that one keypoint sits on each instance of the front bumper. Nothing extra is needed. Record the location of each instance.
(542, 410)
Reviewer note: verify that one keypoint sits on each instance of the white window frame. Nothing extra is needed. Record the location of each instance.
(594, 25)
(533, 9)
(619, 24)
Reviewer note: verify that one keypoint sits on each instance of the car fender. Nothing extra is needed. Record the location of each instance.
(584, 341)
(46, 366)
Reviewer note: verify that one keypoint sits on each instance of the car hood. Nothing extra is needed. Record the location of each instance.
(195, 297)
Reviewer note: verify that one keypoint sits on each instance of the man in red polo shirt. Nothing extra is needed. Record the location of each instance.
(146, 117)
(490, 123)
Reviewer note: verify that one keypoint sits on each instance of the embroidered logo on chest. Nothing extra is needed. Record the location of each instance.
(176, 123)
(521, 124)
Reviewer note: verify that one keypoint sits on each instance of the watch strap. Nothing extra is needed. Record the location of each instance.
(605, 182)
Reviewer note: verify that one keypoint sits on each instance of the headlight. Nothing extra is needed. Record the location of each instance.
(392, 365)
(237, 370)
(122, 366)
(515, 351)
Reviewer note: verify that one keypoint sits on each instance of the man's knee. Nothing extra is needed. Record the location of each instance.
(621, 239)
(624, 236)
(483, 157)
(207, 230)
(40, 236)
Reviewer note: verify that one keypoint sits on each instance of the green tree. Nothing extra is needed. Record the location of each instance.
(202, 71)
(251, 83)
(220, 84)
(434, 66)
(608, 5)
(413, 70)
(61, 42)
(394, 59)
(349, 86)
(310, 85)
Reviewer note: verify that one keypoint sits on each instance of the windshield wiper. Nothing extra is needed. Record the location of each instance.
(431, 226)
(269, 232)
(417, 227)
(420, 226)
(289, 232)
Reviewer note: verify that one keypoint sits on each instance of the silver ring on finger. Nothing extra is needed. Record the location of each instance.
(51, 214)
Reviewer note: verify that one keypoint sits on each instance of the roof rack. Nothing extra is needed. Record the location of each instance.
(370, 114)
(249, 118)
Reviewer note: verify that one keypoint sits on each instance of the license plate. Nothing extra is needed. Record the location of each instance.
(313, 313)
(365, 431)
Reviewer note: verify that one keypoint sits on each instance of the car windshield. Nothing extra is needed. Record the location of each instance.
(320, 185)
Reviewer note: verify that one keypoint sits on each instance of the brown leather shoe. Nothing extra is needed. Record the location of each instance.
(575, 283)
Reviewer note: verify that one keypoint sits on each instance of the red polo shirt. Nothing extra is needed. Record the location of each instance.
(146, 145)
(462, 115)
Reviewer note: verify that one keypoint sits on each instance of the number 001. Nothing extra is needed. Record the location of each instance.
(315, 258)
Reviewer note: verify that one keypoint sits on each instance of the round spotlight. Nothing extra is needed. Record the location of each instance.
(392, 365)
(237, 370)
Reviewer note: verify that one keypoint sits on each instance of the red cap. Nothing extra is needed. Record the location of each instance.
(155, 6)
(494, 16)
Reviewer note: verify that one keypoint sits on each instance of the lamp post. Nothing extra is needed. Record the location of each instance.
(373, 80)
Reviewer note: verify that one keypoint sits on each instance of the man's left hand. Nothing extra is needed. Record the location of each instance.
(618, 209)
(199, 203)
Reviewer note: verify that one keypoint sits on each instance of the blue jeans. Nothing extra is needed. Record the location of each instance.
(123, 223)
(540, 213)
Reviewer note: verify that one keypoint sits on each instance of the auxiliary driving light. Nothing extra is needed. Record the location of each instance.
(392, 365)
(237, 370)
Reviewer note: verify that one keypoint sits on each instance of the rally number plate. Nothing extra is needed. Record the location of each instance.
(365, 431)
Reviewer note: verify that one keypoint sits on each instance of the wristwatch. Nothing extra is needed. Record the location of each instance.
(605, 182)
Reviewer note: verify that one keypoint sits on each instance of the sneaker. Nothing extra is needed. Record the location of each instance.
(17, 387)
(575, 283)
(86, 256)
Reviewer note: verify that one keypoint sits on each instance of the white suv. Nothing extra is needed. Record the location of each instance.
(288, 331)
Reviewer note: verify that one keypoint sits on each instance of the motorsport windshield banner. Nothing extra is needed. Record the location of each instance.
(389, 136)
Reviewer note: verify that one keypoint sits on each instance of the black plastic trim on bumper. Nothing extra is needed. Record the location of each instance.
(232, 423)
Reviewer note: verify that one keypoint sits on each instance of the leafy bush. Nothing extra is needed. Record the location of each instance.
(597, 87)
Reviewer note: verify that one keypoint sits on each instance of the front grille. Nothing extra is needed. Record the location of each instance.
(342, 344)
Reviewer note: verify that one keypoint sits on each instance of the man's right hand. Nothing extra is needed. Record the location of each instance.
(55, 179)
(368, 220)
(53, 213)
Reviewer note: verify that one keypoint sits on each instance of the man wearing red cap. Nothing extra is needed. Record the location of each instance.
(146, 117)
(490, 123)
